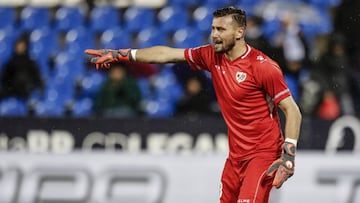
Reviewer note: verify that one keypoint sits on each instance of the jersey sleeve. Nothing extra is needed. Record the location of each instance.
(199, 57)
(273, 81)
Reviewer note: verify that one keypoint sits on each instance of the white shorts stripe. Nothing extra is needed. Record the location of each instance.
(257, 186)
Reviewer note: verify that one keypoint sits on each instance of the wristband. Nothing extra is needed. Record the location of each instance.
(133, 54)
(291, 140)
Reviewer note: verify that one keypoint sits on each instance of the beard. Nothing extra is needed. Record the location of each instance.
(224, 47)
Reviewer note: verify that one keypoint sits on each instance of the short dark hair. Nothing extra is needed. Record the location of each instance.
(238, 14)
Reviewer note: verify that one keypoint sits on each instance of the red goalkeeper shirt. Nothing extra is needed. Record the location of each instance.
(248, 90)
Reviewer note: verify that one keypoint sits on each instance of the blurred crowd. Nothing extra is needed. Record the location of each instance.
(321, 68)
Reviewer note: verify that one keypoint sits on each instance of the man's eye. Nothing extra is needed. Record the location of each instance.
(219, 29)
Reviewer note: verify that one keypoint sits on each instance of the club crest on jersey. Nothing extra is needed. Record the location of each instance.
(240, 76)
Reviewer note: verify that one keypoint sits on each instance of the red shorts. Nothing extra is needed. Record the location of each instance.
(246, 181)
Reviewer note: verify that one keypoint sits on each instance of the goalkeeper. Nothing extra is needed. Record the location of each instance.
(250, 88)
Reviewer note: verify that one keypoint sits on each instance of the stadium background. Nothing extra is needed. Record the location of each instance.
(54, 149)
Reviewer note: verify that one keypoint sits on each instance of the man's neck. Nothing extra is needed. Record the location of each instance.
(238, 50)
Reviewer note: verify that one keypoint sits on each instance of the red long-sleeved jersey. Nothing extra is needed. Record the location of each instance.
(248, 90)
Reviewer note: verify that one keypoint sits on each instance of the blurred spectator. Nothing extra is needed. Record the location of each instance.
(329, 108)
(293, 53)
(195, 101)
(290, 38)
(354, 80)
(255, 36)
(334, 66)
(330, 76)
(21, 75)
(137, 69)
(346, 21)
(120, 95)
(295, 73)
(90, 4)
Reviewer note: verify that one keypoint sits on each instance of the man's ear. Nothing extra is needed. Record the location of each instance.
(240, 32)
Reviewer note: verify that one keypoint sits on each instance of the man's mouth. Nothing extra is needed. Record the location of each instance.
(218, 42)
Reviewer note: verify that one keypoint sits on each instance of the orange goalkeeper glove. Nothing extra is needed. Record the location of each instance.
(283, 168)
(104, 57)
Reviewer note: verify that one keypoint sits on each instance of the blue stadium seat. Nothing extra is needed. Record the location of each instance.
(137, 19)
(12, 106)
(65, 87)
(253, 3)
(34, 17)
(60, 87)
(91, 83)
(172, 18)
(218, 3)
(82, 107)
(270, 28)
(326, 25)
(167, 86)
(184, 3)
(103, 18)
(158, 109)
(79, 39)
(36, 96)
(292, 83)
(324, 4)
(150, 37)
(49, 108)
(249, 8)
(43, 45)
(58, 92)
(187, 37)
(335, 3)
(115, 38)
(145, 89)
(67, 18)
(43, 42)
(7, 16)
(310, 31)
(161, 93)
(68, 66)
(202, 19)
(7, 40)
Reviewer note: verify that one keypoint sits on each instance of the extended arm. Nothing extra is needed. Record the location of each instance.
(283, 168)
(160, 54)
(292, 118)
(155, 54)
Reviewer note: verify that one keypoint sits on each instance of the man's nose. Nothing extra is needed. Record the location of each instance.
(214, 34)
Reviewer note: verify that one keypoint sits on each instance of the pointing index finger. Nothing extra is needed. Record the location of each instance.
(93, 52)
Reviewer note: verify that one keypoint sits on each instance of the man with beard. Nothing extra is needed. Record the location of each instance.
(250, 88)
